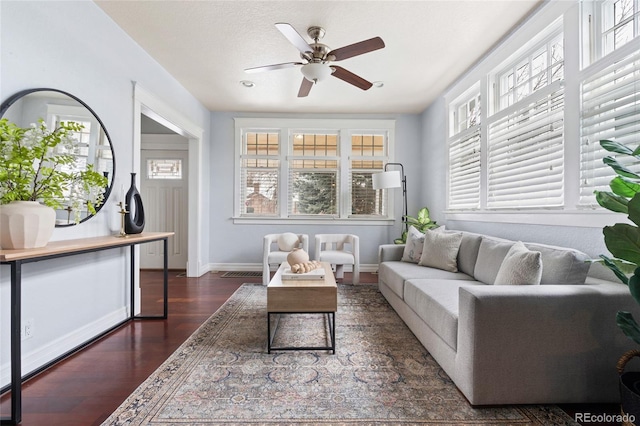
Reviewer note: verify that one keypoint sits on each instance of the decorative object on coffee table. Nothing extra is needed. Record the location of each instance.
(297, 256)
(133, 200)
(272, 254)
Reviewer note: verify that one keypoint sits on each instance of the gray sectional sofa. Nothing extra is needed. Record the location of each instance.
(556, 342)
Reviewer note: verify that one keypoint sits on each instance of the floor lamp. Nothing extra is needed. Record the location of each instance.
(393, 179)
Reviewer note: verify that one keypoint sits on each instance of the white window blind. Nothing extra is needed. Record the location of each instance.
(464, 169)
(259, 174)
(610, 110)
(368, 155)
(526, 152)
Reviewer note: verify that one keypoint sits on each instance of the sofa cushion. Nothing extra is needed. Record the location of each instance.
(435, 301)
(413, 246)
(441, 250)
(490, 256)
(468, 252)
(561, 265)
(395, 273)
(520, 266)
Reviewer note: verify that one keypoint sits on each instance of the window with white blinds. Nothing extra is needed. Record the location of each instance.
(260, 171)
(313, 174)
(311, 169)
(610, 110)
(464, 154)
(368, 152)
(525, 137)
(526, 152)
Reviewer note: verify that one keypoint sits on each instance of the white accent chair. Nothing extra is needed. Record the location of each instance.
(339, 250)
(272, 255)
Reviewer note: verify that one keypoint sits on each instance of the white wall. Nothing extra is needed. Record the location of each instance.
(77, 48)
(240, 245)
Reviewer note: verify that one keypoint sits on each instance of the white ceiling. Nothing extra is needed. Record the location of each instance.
(206, 45)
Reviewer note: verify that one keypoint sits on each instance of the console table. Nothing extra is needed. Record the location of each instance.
(55, 249)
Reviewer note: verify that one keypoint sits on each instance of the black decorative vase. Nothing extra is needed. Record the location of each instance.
(133, 224)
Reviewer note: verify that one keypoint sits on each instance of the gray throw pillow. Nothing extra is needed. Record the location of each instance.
(520, 266)
(490, 256)
(440, 250)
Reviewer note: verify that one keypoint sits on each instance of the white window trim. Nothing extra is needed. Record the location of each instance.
(288, 126)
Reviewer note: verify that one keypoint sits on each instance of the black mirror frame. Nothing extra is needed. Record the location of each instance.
(13, 98)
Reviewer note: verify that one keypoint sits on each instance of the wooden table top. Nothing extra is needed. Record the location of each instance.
(54, 248)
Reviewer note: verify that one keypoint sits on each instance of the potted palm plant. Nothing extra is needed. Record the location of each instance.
(623, 241)
(37, 171)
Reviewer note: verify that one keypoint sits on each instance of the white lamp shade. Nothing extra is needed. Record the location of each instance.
(316, 71)
(384, 180)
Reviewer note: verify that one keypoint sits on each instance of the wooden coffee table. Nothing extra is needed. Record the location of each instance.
(302, 297)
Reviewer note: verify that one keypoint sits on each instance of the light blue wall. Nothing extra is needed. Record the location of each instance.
(242, 243)
(75, 47)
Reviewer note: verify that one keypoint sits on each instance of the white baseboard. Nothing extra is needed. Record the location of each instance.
(40, 356)
(243, 267)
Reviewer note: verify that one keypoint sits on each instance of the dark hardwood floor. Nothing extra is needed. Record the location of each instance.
(87, 387)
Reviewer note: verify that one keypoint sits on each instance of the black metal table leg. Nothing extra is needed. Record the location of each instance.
(16, 350)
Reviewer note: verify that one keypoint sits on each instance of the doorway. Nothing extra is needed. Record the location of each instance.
(164, 181)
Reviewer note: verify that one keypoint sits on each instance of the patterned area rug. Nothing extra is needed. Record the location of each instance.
(380, 373)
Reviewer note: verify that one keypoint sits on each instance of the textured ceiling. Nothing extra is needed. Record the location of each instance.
(206, 45)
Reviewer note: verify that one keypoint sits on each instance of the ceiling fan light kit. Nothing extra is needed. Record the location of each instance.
(316, 71)
(318, 56)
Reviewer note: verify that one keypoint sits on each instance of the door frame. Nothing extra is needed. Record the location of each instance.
(145, 103)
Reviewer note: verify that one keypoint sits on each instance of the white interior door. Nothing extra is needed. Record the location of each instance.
(164, 189)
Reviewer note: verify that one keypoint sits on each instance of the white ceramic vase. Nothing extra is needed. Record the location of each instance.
(26, 224)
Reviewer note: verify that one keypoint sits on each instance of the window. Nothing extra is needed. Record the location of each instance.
(464, 153)
(610, 110)
(525, 159)
(298, 169)
(313, 174)
(260, 163)
(164, 168)
(619, 23)
(368, 152)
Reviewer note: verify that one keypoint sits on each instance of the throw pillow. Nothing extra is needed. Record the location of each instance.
(520, 266)
(413, 246)
(287, 241)
(440, 250)
(490, 256)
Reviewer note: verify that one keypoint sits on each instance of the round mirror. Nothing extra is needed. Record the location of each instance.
(54, 106)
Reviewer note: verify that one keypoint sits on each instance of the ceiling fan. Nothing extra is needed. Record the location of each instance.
(318, 56)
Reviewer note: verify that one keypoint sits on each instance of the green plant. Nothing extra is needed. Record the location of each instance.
(421, 222)
(38, 164)
(623, 239)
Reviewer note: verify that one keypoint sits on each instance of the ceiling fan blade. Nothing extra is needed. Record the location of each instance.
(357, 49)
(350, 78)
(294, 37)
(272, 67)
(305, 88)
